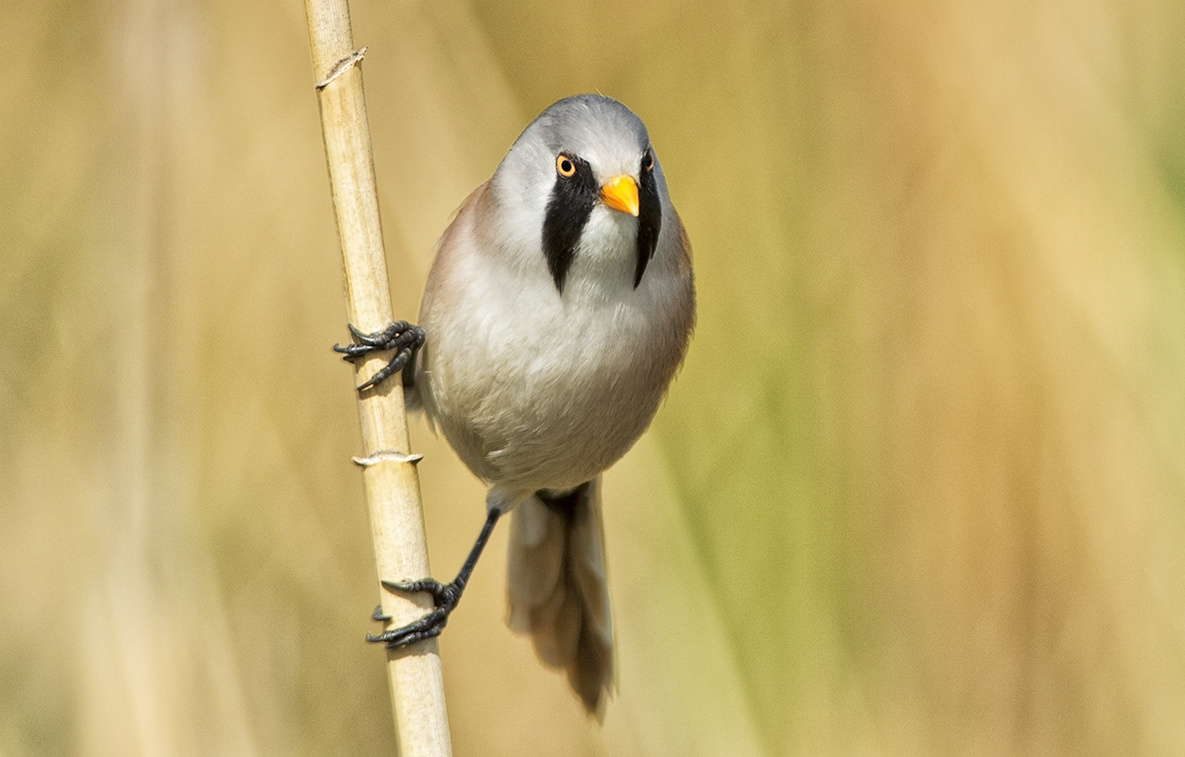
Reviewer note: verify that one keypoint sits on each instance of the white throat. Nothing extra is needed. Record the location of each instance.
(606, 260)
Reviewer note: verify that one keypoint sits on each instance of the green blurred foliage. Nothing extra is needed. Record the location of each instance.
(918, 489)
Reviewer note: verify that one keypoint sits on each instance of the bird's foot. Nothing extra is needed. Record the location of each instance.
(400, 336)
(444, 596)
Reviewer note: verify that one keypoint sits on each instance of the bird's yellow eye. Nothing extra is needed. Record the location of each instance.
(565, 166)
(647, 160)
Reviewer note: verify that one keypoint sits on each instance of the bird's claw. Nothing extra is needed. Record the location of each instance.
(401, 336)
(444, 598)
(443, 595)
(426, 627)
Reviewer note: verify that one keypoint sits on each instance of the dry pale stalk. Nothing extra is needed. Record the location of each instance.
(389, 473)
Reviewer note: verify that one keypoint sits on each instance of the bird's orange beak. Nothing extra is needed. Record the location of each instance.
(621, 193)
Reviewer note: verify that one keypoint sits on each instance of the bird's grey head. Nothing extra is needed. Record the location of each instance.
(599, 129)
(579, 158)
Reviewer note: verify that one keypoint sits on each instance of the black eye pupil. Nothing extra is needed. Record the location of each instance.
(566, 166)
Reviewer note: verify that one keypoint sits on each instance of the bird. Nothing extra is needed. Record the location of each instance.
(558, 309)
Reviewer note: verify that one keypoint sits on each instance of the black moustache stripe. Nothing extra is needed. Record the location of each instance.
(568, 209)
(649, 222)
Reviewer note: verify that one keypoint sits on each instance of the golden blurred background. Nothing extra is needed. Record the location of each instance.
(919, 489)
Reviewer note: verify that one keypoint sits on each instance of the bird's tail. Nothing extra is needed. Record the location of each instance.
(557, 587)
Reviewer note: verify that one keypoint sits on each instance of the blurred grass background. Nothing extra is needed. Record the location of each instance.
(919, 490)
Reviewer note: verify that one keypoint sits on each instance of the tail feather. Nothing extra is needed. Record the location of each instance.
(557, 588)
